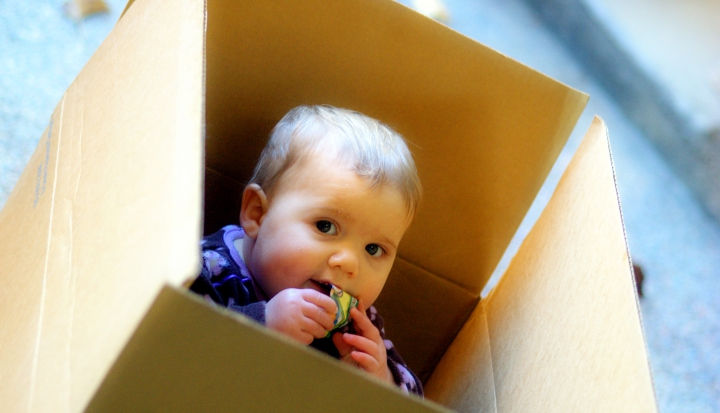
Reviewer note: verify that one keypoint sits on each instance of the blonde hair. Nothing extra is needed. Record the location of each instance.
(373, 149)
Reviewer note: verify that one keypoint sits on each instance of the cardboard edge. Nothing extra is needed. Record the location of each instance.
(171, 296)
(455, 31)
(127, 6)
(596, 124)
(627, 250)
(261, 329)
(488, 298)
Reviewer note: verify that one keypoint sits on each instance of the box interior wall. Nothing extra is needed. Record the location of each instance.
(478, 104)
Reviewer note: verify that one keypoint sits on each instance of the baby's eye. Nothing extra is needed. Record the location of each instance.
(326, 227)
(374, 250)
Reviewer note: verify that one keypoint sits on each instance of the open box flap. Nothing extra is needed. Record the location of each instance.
(563, 323)
(107, 210)
(484, 129)
(188, 356)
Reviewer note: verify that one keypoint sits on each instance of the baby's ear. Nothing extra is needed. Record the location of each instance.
(254, 207)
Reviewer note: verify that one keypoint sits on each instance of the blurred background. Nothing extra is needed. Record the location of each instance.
(652, 69)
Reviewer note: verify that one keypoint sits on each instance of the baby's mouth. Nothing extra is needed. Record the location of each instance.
(323, 286)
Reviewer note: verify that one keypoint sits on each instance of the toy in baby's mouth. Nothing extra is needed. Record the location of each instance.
(344, 302)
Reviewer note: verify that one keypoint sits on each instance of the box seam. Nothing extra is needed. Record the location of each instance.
(43, 291)
(489, 345)
(453, 283)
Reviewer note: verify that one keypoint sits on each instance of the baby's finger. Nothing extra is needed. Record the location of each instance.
(302, 336)
(319, 299)
(322, 317)
(342, 347)
(364, 326)
(313, 328)
(362, 344)
(365, 361)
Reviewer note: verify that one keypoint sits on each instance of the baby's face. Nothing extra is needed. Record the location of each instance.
(326, 225)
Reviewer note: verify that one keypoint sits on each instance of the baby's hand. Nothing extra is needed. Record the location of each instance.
(365, 349)
(302, 314)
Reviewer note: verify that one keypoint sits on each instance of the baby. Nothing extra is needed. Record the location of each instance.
(327, 205)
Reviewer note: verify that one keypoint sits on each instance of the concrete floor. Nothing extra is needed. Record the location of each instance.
(676, 43)
(41, 52)
(670, 236)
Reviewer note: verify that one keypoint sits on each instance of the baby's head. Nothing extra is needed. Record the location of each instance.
(329, 201)
(372, 149)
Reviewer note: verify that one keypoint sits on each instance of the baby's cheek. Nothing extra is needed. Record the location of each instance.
(293, 261)
(374, 289)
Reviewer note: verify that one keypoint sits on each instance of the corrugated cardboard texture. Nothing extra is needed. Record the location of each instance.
(564, 322)
(117, 175)
(187, 357)
(484, 129)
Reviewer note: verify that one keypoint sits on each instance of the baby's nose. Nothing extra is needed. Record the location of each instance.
(345, 261)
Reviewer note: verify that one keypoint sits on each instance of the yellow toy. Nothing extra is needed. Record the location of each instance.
(344, 302)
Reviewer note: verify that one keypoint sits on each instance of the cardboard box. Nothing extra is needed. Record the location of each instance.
(104, 223)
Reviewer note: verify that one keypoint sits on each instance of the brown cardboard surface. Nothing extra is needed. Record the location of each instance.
(20, 297)
(491, 125)
(190, 356)
(564, 321)
(118, 216)
(379, 60)
(221, 208)
(479, 103)
(91, 233)
(463, 380)
(422, 314)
